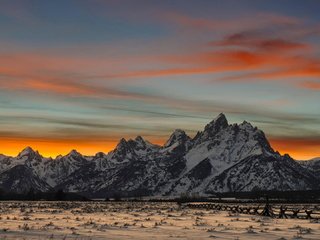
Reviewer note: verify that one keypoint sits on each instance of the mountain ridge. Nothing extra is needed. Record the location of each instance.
(222, 158)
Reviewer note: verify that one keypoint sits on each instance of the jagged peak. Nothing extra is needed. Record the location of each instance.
(140, 142)
(220, 116)
(179, 132)
(132, 144)
(139, 139)
(219, 120)
(123, 144)
(246, 124)
(27, 151)
(100, 155)
(218, 123)
(177, 136)
(74, 153)
(59, 157)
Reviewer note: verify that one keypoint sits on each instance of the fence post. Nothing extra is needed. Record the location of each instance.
(282, 213)
(267, 211)
(308, 212)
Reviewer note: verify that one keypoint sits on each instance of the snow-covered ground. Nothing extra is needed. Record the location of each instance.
(103, 220)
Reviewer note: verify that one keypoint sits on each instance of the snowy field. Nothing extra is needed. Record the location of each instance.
(107, 220)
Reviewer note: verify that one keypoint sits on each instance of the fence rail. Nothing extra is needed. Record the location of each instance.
(276, 211)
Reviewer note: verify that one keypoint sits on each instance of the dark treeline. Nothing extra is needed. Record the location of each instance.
(32, 195)
(307, 196)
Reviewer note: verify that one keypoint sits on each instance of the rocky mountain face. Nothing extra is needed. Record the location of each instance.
(221, 158)
(312, 165)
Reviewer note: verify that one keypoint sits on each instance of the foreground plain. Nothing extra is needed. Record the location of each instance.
(138, 220)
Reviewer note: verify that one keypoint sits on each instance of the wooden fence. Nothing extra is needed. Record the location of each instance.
(276, 211)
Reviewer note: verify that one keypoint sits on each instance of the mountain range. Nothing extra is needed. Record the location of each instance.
(222, 158)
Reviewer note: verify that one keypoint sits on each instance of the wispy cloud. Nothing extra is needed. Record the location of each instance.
(258, 40)
(312, 85)
(146, 69)
(262, 20)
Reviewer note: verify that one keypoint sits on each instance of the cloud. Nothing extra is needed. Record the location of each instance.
(244, 56)
(254, 53)
(312, 85)
(258, 40)
(262, 20)
(69, 87)
(266, 64)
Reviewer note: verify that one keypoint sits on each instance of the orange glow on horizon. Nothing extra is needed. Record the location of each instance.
(53, 148)
(297, 148)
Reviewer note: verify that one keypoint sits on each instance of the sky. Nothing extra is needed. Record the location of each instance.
(81, 74)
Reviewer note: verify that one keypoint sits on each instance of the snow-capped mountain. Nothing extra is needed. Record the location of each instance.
(19, 174)
(223, 157)
(313, 165)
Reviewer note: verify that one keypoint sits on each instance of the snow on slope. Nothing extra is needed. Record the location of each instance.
(263, 172)
(222, 157)
(312, 165)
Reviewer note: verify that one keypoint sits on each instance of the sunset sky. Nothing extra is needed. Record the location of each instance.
(81, 74)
